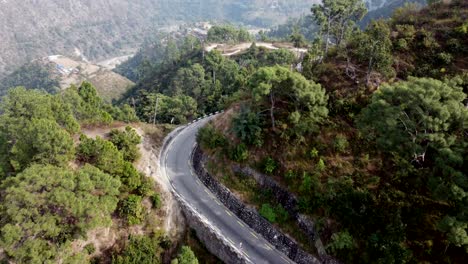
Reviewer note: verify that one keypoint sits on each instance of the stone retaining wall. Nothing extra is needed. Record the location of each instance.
(250, 216)
(289, 201)
(213, 240)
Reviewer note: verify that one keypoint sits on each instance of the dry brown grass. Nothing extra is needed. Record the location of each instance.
(156, 133)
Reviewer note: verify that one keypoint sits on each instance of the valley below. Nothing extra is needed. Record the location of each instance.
(238, 132)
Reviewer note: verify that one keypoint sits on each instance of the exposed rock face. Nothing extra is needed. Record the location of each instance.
(250, 216)
(96, 29)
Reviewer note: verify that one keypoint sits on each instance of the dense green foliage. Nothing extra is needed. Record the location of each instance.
(169, 110)
(259, 56)
(385, 173)
(126, 142)
(247, 127)
(141, 250)
(186, 256)
(377, 158)
(274, 214)
(101, 153)
(35, 127)
(178, 86)
(32, 76)
(374, 49)
(44, 207)
(228, 34)
(114, 156)
(416, 128)
(210, 138)
(295, 105)
(337, 19)
(50, 197)
(132, 209)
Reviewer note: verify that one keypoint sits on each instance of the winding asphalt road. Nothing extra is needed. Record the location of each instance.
(176, 164)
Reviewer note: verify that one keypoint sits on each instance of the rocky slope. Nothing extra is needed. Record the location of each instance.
(98, 29)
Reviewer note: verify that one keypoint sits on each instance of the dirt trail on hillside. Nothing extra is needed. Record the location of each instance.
(230, 50)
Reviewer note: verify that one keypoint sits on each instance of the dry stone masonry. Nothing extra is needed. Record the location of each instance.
(211, 238)
(250, 216)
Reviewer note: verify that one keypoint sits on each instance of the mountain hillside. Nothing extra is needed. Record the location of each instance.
(369, 133)
(54, 73)
(384, 8)
(98, 29)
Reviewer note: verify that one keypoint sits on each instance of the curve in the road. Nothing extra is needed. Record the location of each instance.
(175, 161)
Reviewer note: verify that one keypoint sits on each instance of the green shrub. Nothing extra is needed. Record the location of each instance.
(445, 57)
(209, 138)
(268, 212)
(463, 29)
(123, 113)
(269, 165)
(131, 208)
(140, 250)
(228, 34)
(156, 201)
(246, 127)
(314, 153)
(239, 153)
(282, 214)
(186, 256)
(127, 142)
(275, 214)
(146, 187)
(310, 184)
(340, 241)
(402, 44)
(340, 143)
(290, 175)
(130, 177)
(321, 165)
(90, 249)
(102, 154)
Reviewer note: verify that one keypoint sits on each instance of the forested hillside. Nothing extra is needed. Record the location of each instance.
(100, 29)
(384, 9)
(365, 126)
(56, 73)
(66, 197)
(377, 9)
(368, 130)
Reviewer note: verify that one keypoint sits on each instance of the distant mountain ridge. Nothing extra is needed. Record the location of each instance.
(384, 8)
(376, 4)
(373, 5)
(98, 29)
